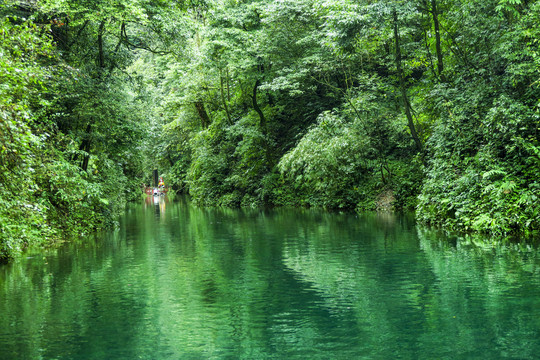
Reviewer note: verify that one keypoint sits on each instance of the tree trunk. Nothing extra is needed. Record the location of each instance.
(85, 146)
(169, 157)
(403, 87)
(203, 115)
(101, 55)
(120, 42)
(228, 85)
(262, 121)
(435, 14)
(223, 100)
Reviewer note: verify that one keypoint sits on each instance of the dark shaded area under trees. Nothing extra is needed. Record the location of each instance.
(356, 105)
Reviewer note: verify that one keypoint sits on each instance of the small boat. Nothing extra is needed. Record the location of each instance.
(156, 191)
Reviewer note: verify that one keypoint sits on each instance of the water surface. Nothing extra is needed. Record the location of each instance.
(180, 282)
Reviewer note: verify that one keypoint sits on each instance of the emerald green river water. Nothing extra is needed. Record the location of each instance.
(180, 282)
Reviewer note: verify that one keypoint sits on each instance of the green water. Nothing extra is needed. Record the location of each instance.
(178, 282)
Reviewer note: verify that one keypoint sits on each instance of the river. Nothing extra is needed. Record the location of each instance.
(180, 282)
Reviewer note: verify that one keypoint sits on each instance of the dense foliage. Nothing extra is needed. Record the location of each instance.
(347, 104)
(69, 133)
(359, 105)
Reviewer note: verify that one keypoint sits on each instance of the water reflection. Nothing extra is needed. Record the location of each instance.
(158, 203)
(178, 281)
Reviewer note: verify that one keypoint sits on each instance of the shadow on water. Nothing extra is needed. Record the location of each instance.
(177, 281)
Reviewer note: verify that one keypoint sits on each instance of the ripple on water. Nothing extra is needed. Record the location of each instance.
(216, 283)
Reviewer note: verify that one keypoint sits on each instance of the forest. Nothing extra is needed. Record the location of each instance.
(353, 105)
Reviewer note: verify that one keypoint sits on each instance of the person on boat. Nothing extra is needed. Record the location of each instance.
(161, 184)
